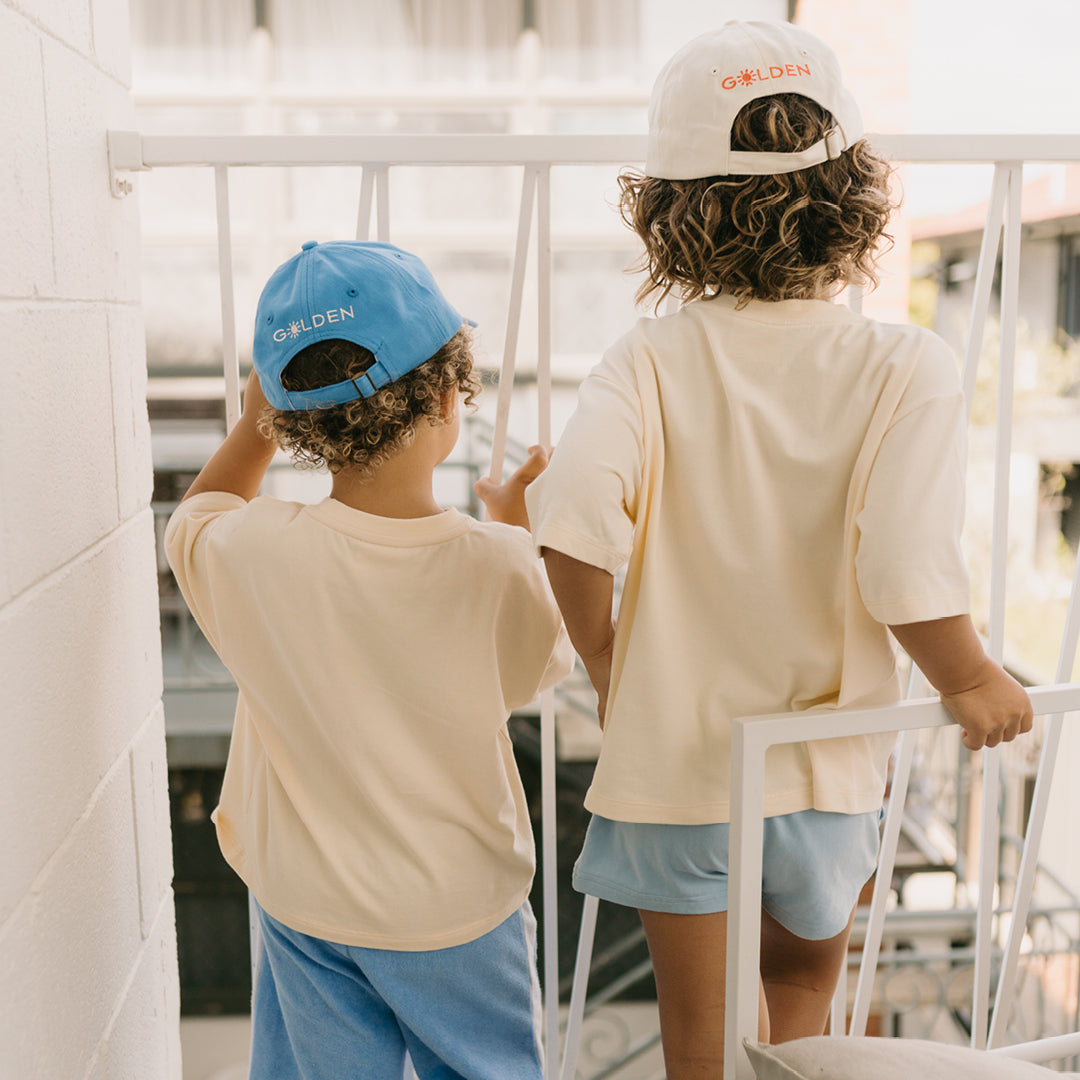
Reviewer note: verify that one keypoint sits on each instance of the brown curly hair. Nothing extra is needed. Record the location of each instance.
(365, 432)
(789, 236)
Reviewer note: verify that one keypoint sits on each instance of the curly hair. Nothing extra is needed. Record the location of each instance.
(364, 433)
(788, 236)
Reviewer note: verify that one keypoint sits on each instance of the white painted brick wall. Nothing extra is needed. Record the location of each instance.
(88, 973)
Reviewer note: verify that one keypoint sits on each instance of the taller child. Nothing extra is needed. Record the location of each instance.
(784, 478)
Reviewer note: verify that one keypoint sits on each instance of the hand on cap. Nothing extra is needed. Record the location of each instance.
(505, 502)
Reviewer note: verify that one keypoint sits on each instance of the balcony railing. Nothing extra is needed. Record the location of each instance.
(536, 155)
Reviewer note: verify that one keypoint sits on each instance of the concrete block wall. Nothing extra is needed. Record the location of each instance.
(88, 973)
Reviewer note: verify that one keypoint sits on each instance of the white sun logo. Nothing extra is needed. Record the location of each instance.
(294, 329)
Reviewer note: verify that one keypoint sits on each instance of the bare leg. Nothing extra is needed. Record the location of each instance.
(799, 978)
(689, 954)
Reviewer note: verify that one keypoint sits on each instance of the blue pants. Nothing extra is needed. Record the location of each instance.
(324, 1011)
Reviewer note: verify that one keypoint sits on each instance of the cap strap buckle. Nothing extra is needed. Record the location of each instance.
(371, 382)
(834, 143)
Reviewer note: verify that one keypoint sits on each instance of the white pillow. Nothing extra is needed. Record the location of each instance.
(846, 1058)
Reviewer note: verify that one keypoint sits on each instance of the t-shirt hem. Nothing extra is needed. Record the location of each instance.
(578, 547)
(711, 813)
(447, 939)
(865, 801)
(919, 609)
(861, 801)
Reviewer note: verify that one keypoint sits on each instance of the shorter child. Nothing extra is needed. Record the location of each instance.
(371, 800)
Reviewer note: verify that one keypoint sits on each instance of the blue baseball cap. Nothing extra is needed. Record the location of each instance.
(371, 294)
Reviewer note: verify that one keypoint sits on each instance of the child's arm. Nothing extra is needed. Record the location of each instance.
(240, 462)
(989, 705)
(584, 594)
(506, 502)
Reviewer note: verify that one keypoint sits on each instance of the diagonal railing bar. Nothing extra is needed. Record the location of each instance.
(984, 280)
(1040, 803)
(991, 762)
(575, 1019)
(890, 840)
(513, 322)
(548, 801)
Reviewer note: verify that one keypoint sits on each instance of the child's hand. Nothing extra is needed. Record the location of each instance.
(254, 399)
(506, 502)
(989, 705)
(993, 710)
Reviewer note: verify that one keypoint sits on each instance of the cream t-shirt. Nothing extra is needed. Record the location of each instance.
(783, 480)
(371, 795)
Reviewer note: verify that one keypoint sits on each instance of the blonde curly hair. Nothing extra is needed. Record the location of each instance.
(364, 433)
(788, 236)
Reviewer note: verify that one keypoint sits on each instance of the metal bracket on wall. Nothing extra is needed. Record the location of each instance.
(125, 155)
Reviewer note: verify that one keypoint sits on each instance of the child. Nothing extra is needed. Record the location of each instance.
(371, 800)
(784, 479)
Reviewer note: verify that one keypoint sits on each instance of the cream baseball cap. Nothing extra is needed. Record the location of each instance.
(701, 89)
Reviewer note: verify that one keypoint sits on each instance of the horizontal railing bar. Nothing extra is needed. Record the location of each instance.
(907, 958)
(133, 150)
(782, 728)
(935, 921)
(489, 97)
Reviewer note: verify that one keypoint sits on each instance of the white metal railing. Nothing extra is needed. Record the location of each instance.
(376, 155)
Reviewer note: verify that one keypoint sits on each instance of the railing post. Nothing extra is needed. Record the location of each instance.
(230, 360)
(745, 837)
(382, 207)
(363, 212)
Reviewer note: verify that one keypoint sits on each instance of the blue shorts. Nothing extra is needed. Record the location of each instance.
(324, 1011)
(814, 866)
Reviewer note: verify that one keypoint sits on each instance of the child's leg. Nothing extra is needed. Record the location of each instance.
(799, 978)
(689, 955)
(815, 866)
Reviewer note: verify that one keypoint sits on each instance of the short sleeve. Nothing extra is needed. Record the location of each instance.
(909, 562)
(187, 544)
(585, 503)
(535, 650)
